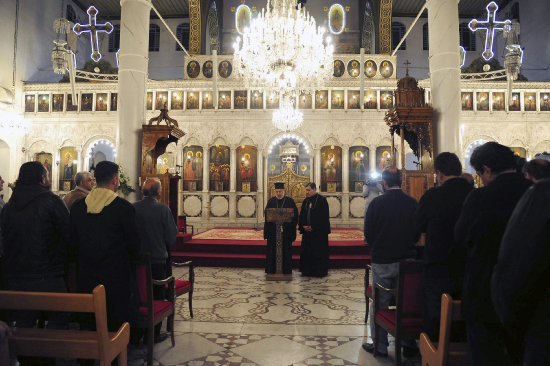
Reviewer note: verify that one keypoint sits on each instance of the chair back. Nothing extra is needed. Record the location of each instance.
(409, 296)
(182, 224)
(143, 279)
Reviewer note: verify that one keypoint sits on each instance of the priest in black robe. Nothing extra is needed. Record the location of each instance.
(289, 232)
(314, 225)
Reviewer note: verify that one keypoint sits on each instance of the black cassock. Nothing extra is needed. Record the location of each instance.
(315, 254)
(289, 235)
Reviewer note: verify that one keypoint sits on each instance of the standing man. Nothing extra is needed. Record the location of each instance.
(158, 232)
(391, 234)
(288, 230)
(104, 233)
(479, 230)
(437, 213)
(2, 203)
(84, 184)
(314, 225)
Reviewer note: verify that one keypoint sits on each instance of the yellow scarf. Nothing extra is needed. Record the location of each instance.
(98, 199)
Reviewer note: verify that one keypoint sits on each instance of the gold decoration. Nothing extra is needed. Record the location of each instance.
(194, 26)
(385, 26)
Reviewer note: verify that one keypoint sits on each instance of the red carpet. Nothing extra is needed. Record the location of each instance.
(245, 247)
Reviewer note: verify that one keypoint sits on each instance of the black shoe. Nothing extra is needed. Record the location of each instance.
(160, 338)
(369, 347)
(409, 352)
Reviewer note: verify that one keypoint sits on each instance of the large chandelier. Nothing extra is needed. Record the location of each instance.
(283, 50)
(287, 117)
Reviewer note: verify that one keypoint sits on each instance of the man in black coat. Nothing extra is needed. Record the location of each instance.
(520, 286)
(438, 211)
(104, 233)
(314, 225)
(289, 232)
(479, 229)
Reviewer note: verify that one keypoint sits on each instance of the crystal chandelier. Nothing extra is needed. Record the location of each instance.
(287, 118)
(283, 51)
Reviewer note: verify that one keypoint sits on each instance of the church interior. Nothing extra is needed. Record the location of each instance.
(163, 93)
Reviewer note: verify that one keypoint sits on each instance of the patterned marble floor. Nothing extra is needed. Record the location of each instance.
(241, 319)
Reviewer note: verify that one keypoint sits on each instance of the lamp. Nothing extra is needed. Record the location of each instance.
(287, 118)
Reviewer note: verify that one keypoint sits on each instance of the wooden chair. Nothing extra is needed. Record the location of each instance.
(182, 287)
(445, 353)
(99, 344)
(405, 321)
(152, 312)
(368, 291)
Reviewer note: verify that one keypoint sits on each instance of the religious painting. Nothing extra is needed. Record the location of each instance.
(514, 102)
(370, 68)
(353, 68)
(43, 103)
(519, 151)
(321, 99)
(383, 157)
(161, 100)
(246, 171)
(358, 165)
(149, 101)
(386, 99)
(101, 102)
(370, 99)
(337, 101)
(482, 101)
(225, 68)
(114, 101)
(272, 101)
(67, 166)
(498, 101)
(176, 101)
(386, 69)
(353, 99)
(193, 69)
(192, 168)
(336, 19)
(304, 101)
(57, 102)
(166, 163)
(242, 18)
(66, 185)
(331, 187)
(29, 103)
(192, 100)
(358, 187)
(219, 168)
(224, 100)
(245, 187)
(240, 100)
(256, 99)
(331, 168)
(207, 68)
(545, 101)
(338, 68)
(46, 159)
(207, 100)
(70, 106)
(467, 101)
(530, 101)
(86, 101)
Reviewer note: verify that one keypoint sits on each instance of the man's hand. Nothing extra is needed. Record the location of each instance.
(307, 228)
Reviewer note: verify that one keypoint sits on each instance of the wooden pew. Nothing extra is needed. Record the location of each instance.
(99, 344)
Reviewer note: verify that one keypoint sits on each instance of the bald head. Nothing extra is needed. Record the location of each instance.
(151, 188)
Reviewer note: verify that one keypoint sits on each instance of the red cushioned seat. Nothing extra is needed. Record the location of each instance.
(388, 317)
(159, 308)
(183, 237)
(369, 291)
(182, 287)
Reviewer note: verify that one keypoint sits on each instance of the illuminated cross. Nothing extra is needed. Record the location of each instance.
(490, 26)
(93, 28)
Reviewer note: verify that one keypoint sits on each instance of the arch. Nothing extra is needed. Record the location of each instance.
(191, 140)
(247, 141)
(518, 143)
(359, 141)
(38, 146)
(274, 140)
(385, 141)
(331, 140)
(541, 147)
(182, 34)
(114, 39)
(398, 30)
(67, 142)
(368, 32)
(218, 141)
(89, 146)
(468, 152)
(154, 37)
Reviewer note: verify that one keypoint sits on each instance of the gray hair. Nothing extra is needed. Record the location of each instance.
(151, 187)
(79, 177)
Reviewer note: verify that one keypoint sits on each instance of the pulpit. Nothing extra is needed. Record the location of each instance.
(155, 138)
(279, 216)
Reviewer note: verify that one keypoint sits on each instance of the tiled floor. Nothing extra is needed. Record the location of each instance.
(242, 319)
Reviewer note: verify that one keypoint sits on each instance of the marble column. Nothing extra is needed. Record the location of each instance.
(317, 167)
(444, 73)
(373, 164)
(132, 85)
(345, 183)
(260, 182)
(233, 184)
(205, 183)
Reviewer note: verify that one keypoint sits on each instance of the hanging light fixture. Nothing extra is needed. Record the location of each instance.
(287, 117)
(283, 50)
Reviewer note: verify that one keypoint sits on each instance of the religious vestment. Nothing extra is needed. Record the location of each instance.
(289, 235)
(314, 256)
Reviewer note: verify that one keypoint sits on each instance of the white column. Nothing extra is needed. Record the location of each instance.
(205, 168)
(132, 85)
(345, 168)
(444, 73)
(233, 184)
(373, 164)
(317, 166)
(260, 182)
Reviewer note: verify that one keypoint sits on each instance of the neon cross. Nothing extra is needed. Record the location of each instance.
(490, 26)
(93, 28)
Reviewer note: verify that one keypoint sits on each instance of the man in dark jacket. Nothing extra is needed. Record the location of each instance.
(438, 211)
(158, 232)
(289, 232)
(390, 233)
(314, 225)
(520, 286)
(479, 229)
(104, 233)
(35, 231)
